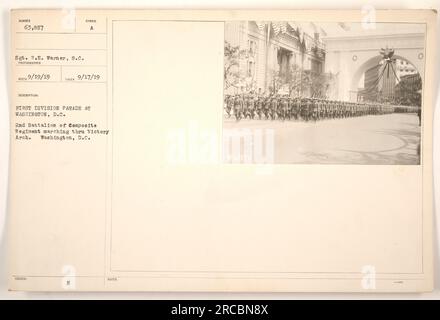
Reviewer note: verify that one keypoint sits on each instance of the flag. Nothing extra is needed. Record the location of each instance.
(276, 27)
(293, 25)
(283, 27)
(260, 25)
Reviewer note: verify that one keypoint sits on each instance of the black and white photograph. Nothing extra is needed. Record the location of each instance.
(323, 93)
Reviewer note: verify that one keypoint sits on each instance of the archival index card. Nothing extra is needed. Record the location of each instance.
(221, 150)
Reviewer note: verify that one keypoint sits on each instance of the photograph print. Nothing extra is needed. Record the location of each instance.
(323, 93)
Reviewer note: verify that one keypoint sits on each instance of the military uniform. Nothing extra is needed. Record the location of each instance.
(238, 107)
(284, 108)
(273, 107)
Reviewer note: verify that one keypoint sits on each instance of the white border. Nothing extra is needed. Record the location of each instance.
(6, 5)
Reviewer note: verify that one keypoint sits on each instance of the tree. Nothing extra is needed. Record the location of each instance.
(232, 66)
(308, 83)
(298, 81)
(318, 83)
(234, 75)
(407, 91)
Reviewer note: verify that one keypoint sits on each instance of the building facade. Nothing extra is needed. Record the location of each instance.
(272, 55)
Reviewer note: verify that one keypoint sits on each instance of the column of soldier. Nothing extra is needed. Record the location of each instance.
(243, 106)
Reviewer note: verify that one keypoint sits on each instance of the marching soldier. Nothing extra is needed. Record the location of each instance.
(251, 107)
(341, 109)
(229, 105)
(225, 103)
(285, 108)
(345, 109)
(302, 109)
(273, 107)
(245, 106)
(320, 109)
(309, 109)
(238, 107)
(297, 110)
(291, 107)
(327, 109)
(259, 106)
(314, 109)
(332, 110)
(266, 107)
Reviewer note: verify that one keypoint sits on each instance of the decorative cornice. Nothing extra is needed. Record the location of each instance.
(375, 37)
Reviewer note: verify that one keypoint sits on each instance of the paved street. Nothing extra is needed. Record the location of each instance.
(375, 139)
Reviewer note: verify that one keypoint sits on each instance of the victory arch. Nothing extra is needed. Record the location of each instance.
(349, 57)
